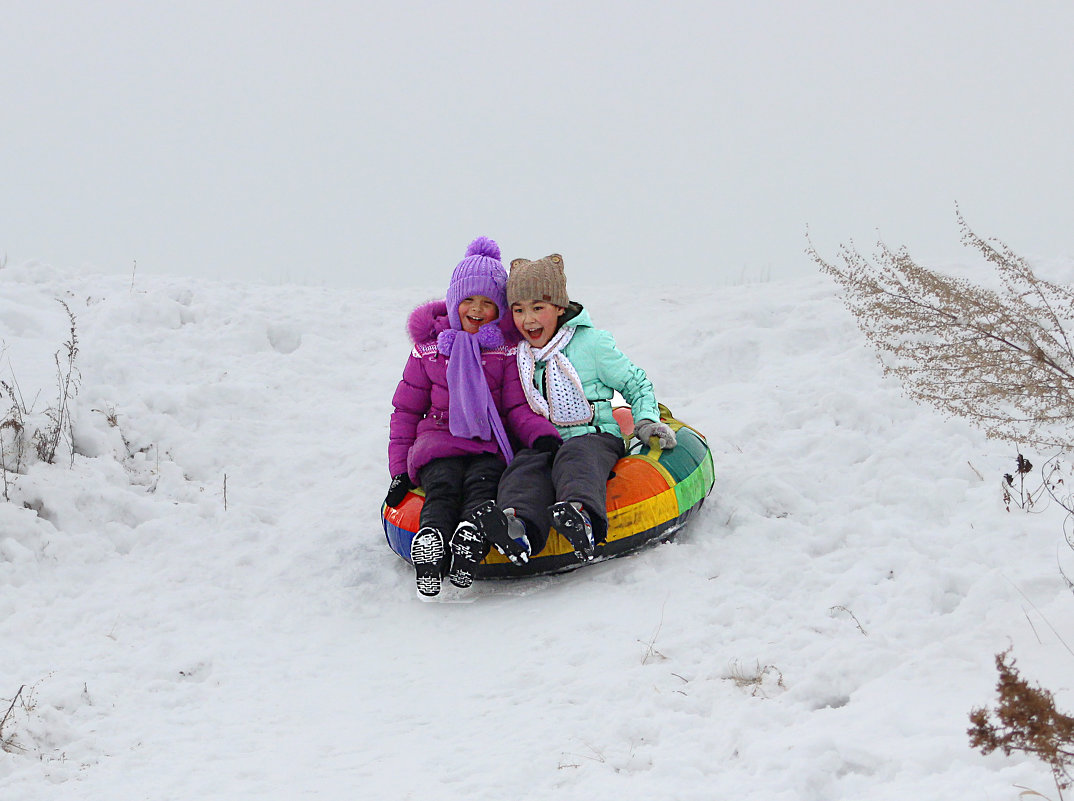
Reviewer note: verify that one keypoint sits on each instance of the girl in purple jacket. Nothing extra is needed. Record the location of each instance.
(447, 433)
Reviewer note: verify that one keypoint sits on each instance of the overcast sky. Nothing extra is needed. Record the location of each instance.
(365, 144)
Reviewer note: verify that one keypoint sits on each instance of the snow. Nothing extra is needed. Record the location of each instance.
(820, 630)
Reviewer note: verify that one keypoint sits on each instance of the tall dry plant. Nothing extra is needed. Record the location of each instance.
(10, 433)
(22, 431)
(12, 441)
(1000, 359)
(1025, 720)
(68, 381)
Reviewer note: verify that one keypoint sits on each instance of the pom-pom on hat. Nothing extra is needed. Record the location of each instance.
(543, 279)
(479, 273)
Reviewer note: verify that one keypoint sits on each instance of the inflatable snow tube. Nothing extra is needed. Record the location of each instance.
(651, 495)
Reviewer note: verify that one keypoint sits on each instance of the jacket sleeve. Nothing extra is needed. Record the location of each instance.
(523, 423)
(412, 400)
(615, 370)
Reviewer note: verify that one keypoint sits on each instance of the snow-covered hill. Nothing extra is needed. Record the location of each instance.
(199, 604)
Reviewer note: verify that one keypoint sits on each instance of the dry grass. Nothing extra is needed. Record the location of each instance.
(754, 678)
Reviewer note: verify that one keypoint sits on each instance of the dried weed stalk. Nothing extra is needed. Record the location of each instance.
(12, 444)
(1028, 497)
(20, 431)
(1057, 475)
(7, 739)
(68, 381)
(1001, 360)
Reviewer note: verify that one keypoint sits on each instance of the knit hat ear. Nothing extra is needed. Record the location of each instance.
(479, 273)
(543, 279)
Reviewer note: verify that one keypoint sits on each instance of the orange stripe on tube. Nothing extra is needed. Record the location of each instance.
(408, 513)
(635, 480)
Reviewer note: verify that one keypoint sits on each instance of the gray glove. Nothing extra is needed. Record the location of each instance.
(651, 428)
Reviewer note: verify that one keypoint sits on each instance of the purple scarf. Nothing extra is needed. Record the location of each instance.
(472, 413)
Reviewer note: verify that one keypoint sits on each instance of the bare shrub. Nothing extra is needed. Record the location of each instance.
(1001, 360)
(1027, 721)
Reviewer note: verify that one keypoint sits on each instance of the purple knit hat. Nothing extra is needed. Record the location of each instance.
(479, 273)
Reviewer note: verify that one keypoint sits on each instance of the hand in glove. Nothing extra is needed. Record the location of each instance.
(651, 428)
(401, 485)
(547, 444)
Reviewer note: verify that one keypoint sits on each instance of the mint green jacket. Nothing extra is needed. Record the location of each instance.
(604, 369)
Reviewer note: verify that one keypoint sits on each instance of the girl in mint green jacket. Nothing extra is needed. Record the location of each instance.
(569, 371)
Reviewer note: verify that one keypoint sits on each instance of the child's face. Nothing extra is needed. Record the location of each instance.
(475, 311)
(536, 320)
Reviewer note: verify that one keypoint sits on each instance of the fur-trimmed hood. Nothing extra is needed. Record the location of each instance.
(429, 323)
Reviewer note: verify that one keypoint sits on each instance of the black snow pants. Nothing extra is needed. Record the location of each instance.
(579, 472)
(454, 485)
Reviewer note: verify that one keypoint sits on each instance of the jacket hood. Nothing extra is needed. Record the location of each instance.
(576, 315)
(427, 321)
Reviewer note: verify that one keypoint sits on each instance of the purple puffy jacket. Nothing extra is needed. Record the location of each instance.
(419, 431)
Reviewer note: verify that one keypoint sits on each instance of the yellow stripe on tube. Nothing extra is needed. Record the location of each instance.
(642, 516)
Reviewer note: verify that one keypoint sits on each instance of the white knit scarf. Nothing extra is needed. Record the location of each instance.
(566, 404)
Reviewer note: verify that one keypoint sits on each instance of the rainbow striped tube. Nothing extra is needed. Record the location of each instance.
(650, 497)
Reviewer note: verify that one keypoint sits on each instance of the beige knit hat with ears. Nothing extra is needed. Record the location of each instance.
(543, 279)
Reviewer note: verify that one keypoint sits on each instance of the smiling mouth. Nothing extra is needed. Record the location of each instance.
(534, 333)
(476, 320)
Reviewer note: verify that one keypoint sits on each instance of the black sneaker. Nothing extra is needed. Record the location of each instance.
(572, 521)
(427, 554)
(496, 529)
(468, 548)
